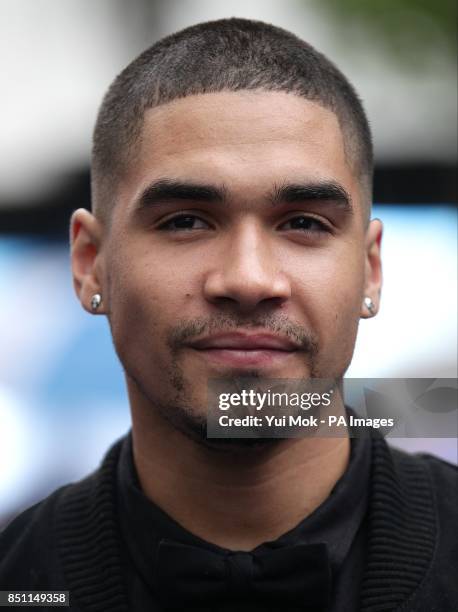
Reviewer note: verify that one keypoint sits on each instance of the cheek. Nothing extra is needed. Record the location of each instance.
(148, 295)
(343, 305)
(329, 287)
(139, 302)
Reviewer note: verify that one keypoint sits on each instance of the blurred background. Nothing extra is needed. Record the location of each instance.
(62, 398)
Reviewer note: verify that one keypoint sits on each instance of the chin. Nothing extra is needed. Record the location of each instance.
(238, 445)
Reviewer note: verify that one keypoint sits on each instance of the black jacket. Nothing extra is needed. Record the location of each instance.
(71, 541)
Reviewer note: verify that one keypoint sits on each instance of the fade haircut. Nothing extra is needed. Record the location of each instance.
(224, 55)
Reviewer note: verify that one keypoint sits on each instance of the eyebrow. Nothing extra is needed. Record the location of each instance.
(171, 190)
(326, 191)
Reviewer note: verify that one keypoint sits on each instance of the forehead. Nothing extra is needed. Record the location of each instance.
(241, 139)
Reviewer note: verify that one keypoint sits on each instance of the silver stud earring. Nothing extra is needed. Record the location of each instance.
(96, 300)
(369, 304)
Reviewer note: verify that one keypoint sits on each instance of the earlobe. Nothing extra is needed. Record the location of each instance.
(85, 239)
(96, 302)
(373, 270)
(370, 309)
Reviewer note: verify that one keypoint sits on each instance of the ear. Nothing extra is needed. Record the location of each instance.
(372, 268)
(85, 241)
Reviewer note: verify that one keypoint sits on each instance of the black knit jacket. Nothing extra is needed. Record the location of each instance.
(71, 540)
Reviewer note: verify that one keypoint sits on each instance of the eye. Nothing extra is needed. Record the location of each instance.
(183, 223)
(304, 223)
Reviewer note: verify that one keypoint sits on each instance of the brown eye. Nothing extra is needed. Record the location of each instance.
(183, 223)
(304, 223)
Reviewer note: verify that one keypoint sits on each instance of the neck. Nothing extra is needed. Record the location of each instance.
(235, 499)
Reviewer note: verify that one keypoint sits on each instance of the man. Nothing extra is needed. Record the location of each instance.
(231, 236)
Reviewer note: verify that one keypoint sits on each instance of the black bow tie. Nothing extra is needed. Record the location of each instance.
(189, 576)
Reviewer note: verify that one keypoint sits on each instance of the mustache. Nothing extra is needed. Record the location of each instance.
(191, 329)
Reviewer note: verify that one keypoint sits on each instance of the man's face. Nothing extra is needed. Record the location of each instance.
(233, 248)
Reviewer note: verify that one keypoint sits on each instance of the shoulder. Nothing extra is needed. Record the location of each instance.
(28, 547)
(441, 471)
(429, 478)
(34, 546)
(441, 475)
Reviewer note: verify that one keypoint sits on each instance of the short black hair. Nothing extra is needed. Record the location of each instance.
(224, 55)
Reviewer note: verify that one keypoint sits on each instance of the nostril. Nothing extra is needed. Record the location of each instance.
(247, 290)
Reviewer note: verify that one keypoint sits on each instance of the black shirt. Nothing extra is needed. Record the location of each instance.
(340, 523)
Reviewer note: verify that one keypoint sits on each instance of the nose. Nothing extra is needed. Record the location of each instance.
(247, 272)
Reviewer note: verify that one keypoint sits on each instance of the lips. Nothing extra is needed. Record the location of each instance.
(240, 349)
(245, 342)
